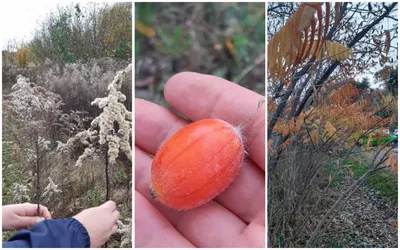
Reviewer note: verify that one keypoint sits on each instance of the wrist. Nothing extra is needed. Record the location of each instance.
(78, 227)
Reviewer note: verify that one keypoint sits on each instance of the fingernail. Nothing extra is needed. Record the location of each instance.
(38, 220)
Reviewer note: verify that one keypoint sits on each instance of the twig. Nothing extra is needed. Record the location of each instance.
(260, 59)
(107, 177)
(338, 232)
(344, 198)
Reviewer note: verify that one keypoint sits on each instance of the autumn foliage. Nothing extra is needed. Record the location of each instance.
(332, 117)
(333, 105)
(292, 46)
(22, 56)
(318, 117)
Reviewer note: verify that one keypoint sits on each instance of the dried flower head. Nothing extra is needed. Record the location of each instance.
(20, 193)
(50, 190)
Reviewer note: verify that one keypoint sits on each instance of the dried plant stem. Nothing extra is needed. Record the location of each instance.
(333, 209)
(344, 197)
(37, 173)
(107, 177)
(107, 184)
(260, 59)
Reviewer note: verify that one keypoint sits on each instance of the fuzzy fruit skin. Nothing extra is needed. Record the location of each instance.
(197, 163)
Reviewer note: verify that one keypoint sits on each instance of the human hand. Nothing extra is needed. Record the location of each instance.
(23, 216)
(236, 218)
(100, 222)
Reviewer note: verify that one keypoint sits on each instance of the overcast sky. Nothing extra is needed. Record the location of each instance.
(18, 20)
(387, 24)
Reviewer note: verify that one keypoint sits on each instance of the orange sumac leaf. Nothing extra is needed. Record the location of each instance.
(313, 70)
(380, 95)
(299, 123)
(269, 144)
(271, 105)
(330, 128)
(387, 42)
(230, 47)
(394, 225)
(327, 16)
(314, 137)
(337, 13)
(289, 41)
(286, 131)
(350, 171)
(393, 162)
(308, 14)
(286, 143)
(310, 46)
(143, 29)
(292, 124)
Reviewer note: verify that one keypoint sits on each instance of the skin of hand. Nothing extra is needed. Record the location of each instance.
(235, 218)
(22, 216)
(100, 222)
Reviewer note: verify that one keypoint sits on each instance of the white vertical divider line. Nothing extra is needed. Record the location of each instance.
(1, 112)
(266, 128)
(133, 123)
(398, 189)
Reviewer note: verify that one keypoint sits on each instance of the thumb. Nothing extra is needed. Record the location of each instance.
(110, 205)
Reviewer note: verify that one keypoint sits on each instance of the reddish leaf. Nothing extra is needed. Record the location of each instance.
(337, 13)
(387, 42)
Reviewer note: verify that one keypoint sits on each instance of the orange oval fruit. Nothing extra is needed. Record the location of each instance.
(197, 163)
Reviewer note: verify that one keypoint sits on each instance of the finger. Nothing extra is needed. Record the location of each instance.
(44, 212)
(254, 234)
(152, 229)
(109, 205)
(142, 169)
(39, 219)
(201, 226)
(247, 188)
(153, 125)
(27, 222)
(29, 209)
(115, 215)
(199, 96)
(114, 229)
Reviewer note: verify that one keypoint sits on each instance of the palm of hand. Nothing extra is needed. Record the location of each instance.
(236, 218)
